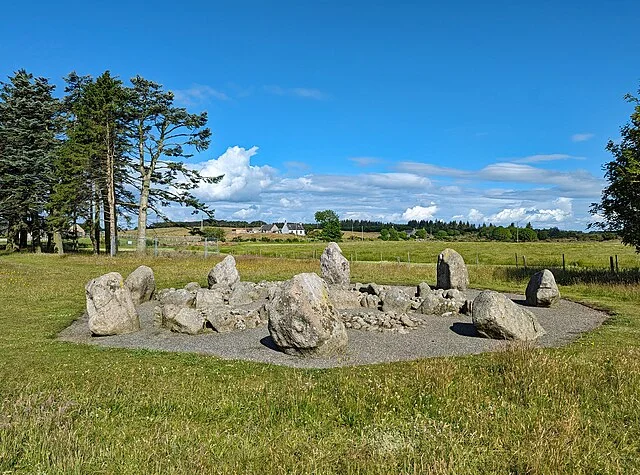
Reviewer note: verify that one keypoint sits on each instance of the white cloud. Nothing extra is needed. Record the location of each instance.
(581, 137)
(302, 92)
(247, 213)
(419, 213)
(197, 94)
(561, 213)
(546, 158)
(287, 203)
(475, 215)
(365, 161)
(241, 182)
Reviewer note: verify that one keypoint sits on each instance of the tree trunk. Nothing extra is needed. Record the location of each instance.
(106, 213)
(96, 224)
(111, 194)
(142, 214)
(57, 238)
(23, 239)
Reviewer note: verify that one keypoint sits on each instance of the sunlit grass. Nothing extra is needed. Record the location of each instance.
(68, 408)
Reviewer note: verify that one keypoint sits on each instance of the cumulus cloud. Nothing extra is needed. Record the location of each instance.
(581, 137)
(247, 213)
(475, 215)
(562, 212)
(290, 203)
(241, 182)
(197, 94)
(420, 213)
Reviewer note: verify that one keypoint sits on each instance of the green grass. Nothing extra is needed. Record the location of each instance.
(577, 253)
(68, 408)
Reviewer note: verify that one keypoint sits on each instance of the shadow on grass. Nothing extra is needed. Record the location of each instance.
(574, 276)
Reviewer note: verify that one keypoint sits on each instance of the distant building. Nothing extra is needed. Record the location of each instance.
(293, 228)
(284, 228)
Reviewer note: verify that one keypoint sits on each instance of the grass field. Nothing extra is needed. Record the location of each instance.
(68, 408)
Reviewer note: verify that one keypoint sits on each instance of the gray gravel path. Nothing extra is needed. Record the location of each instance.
(442, 336)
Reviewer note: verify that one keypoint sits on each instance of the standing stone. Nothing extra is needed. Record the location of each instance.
(302, 319)
(224, 273)
(496, 316)
(334, 266)
(110, 306)
(141, 284)
(452, 272)
(542, 290)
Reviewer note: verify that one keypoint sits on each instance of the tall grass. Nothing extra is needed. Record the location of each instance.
(67, 408)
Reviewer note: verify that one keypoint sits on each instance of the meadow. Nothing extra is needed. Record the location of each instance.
(67, 408)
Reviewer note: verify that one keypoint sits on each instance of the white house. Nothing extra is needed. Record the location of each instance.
(293, 228)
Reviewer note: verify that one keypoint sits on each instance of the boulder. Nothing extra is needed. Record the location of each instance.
(192, 287)
(247, 292)
(141, 284)
(226, 318)
(182, 319)
(542, 290)
(451, 271)
(438, 303)
(206, 299)
(224, 273)
(395, 299)
(343, 298)
(496, 316)
(423, 289)
(334, 266)
(302, 319)
(179, 297)
(110, 307)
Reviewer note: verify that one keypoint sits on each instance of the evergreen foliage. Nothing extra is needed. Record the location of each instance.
(29, 124)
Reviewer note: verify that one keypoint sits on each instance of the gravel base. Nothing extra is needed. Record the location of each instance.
(441, 336)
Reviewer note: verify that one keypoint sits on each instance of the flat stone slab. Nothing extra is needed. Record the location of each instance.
(441, 336)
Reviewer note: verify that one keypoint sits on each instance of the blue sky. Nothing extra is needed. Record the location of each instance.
(482, 111)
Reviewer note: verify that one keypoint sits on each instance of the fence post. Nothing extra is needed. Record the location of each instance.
(516, 260)
(563, 264)
(524, 262)
(205, 248)
(611, 267)
(409, 259)
(155, 247)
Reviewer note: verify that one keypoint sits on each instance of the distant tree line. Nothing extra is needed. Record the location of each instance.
(105, 151)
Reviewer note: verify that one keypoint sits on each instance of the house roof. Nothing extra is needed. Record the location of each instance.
(295, 226)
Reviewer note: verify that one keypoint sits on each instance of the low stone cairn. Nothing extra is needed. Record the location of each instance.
(308, 315)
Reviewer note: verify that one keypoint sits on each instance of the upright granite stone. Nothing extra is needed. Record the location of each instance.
(451, 271)
(334, 266)
(110, 306)
(542, 290)
(224, 273)
(142, 284)
(302, 319)
(496, 316)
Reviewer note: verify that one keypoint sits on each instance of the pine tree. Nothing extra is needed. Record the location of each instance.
(28, 126)
(158, 132)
